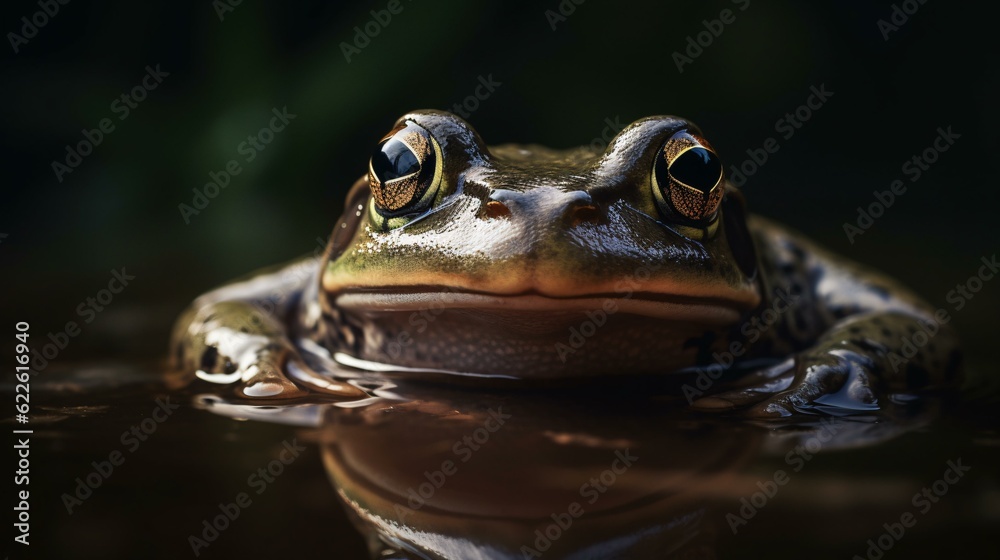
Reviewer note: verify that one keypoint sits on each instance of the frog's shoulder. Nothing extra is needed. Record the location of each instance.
(792, 261)
(268, 284)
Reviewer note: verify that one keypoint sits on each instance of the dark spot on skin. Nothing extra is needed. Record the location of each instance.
(954, 365)
(916, 377)
(704, 346)
(767, 346)
(244, 330)
(229, 366)
(886, 333)
(854, 330)
(880, 290)
(870, 346)
(877, 321)
(208, 358)
(911, 329)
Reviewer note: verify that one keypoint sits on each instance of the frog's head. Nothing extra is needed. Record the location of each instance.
(524, 261)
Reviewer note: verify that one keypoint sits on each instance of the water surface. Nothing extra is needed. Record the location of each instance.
(427, 471)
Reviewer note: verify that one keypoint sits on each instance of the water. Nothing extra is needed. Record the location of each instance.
(601, 472)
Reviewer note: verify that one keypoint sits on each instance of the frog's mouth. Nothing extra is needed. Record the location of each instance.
(535, 336)
(708, 311)
(426, 331)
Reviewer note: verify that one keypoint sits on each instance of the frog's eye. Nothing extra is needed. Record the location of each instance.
(404, 171)
(687, 179)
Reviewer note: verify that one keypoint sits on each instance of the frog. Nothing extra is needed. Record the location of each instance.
(523, 265)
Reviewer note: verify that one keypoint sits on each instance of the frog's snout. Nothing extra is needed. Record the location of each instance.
(544, 205)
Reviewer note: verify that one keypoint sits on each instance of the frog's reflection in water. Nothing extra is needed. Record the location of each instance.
(430, 472)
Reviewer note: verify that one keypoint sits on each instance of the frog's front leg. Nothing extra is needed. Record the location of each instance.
(869, 338)
(855, 364)
(238, 334)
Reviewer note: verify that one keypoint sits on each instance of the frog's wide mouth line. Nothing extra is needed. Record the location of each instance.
(704, 310)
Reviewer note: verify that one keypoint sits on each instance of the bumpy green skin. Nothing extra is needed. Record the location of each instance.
(838, 337)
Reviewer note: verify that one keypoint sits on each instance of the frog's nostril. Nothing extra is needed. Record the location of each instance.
(587, 213)
(496, 209)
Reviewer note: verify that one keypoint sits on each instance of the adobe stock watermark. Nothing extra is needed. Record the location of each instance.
(597, 318)
(131, 439)
(592, 490)
(768, 489)
(923, 501)
(959, 297)
(752, 330)
(483, 90)
(249, 149)
(363, 34)
(786, 126)
(229, 512)
(87, 310)
(913, 169)
(122, 107)
(563, 10)
(898, 17)
(463, 450)
(225, 7)
(31, 25)
(611, 129)
(267, 306)
(697, 43)
(420, 320)
(965, 291)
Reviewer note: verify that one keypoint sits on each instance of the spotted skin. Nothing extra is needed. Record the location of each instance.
(853, 336)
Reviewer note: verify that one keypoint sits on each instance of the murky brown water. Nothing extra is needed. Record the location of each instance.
(432, 472)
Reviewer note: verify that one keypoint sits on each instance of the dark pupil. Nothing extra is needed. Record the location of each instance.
(698, 168)
(393, 160)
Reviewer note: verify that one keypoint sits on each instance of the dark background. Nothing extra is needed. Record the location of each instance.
(607, 60)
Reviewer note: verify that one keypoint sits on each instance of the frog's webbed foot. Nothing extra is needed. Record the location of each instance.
(837, 382)
(228, 343)
(279, 372)
(859, 361)
(264, 378)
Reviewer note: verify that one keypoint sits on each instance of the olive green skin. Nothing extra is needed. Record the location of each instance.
(535, 265)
